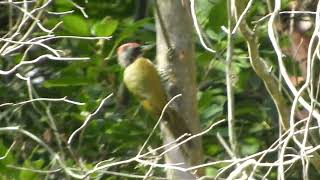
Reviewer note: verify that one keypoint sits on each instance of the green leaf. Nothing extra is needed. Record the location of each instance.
(63, 3)
(29, 175)
(213, 149)
(210, 171)
(6, 172)
(250, 146)
(76, 25)
(67, 81)
(105, 27)
(129, 30)
(215, 22)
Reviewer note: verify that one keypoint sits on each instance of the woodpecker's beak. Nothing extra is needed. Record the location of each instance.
(148, 47)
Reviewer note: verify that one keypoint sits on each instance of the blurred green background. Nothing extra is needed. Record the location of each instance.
(117, 134)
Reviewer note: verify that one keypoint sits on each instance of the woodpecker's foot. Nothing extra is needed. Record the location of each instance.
(170, 53)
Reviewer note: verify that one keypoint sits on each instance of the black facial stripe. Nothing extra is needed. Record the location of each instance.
(135, 52)
(129, 55)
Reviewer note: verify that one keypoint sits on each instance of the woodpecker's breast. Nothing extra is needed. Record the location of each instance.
(142, 80)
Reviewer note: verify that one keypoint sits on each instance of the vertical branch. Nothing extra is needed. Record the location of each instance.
(162, 26)
(230, 94)
(177, 66)
(261, 69)
(10, 14)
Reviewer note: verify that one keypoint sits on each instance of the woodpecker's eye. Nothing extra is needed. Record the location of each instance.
(136, 51)
(132, 53)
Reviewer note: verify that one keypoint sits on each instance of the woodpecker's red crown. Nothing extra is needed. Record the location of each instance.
(128, 52)
(124, 47)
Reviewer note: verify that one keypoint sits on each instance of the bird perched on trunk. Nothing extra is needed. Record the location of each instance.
(143, 81)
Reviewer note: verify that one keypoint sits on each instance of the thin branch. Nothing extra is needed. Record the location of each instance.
(35, 170)
(87, 120)
(196, 25)
(158, 122)
(64, 99)
(8, 151)
(40, 58)
(230, 93)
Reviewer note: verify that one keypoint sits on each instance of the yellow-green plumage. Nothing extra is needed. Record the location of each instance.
(142, 79)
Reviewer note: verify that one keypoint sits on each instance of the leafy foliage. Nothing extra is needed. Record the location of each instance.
(117, 134)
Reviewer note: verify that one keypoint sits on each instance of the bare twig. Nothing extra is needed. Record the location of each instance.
(196, 25)
(8, 151)
(158, 122)
(230, 94)
(64, 99)
(87, 120)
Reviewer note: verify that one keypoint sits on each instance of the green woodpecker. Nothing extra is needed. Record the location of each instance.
(143, 81)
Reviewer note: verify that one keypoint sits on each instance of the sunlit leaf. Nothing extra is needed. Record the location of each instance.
(104, 27)
(76, 25)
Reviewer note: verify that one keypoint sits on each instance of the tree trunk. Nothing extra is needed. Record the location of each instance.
(176, 63)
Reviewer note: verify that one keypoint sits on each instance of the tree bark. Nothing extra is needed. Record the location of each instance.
(176, 63)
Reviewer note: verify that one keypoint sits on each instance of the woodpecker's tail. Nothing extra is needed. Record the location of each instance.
(177, 126)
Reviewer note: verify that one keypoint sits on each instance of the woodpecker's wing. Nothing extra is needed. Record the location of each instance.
(142, 79)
